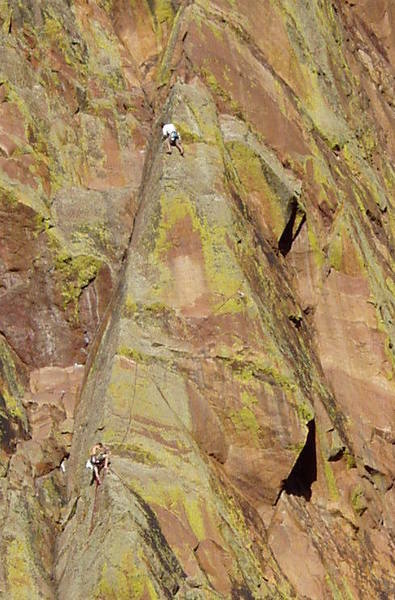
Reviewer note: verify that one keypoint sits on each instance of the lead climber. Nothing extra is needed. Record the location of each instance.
(172, 137)
(99, 461)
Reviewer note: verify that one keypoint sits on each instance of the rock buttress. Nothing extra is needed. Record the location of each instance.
(242, 372)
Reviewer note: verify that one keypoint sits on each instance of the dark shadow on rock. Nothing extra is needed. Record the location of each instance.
(288, 236)
(304, 472)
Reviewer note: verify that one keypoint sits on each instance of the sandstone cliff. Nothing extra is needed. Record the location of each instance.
(223, 321)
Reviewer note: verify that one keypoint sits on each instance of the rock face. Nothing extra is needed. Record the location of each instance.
(223, 321)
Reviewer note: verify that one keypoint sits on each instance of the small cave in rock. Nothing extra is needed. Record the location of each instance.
(296, 320)
(288, 236)
(304, 472)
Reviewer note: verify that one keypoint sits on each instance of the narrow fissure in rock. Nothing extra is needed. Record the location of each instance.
(304, 472)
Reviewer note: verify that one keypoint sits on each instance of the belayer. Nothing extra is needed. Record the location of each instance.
(99, 460)
(172, 137)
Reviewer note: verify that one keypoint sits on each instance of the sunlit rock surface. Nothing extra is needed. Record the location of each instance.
(223, 320)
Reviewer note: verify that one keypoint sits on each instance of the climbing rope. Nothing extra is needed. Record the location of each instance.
(121, 479)
(131, 404)
(94, 509)
(95, 501)
(131, 411)
(131, 408)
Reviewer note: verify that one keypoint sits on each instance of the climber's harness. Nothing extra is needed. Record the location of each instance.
(174, 136)
(98, 460)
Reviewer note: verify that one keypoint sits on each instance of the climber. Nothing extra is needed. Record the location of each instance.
(99, 460)
(172, 137)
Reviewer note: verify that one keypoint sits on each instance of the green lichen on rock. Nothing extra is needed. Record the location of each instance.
(248, 399)
(14, 406)
(251, 369)
(129, 307)
(8, 370)
(20, 580)
(187, 135)
(143, 455)
(330, 481)
(339, 592)
(6, 16)
(254, 176)
(248, 344)
(164, 69)
(156, 309)
(164, 11)
(54, 33)
(75, 273)
(335, 253)
(358, 500)
(11, 388)
(126, 582)
(305, 412)
(98, 233)
(219, 90)
(222, 274)
(193, 508)
(318, 254)
(8, 196)
(107, 5)
(350, 459)
(245, 420)
(132, 353)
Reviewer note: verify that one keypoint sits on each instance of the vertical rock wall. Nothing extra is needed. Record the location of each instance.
(233, 307)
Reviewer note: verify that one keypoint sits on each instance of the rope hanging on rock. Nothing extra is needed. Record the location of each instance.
(131, 405)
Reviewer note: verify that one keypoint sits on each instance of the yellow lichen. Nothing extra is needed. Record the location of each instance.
(245, 420)
(129, 308)
(125, 582)
(98, 233)
(14, 406)
(222, 274)
(315, 247)
(251, 175)
(164, 11)
(195, 517)
(330, 480)
(305, 412)
(75, 273)
(131, 353)
(21, 583)
(358, 500)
